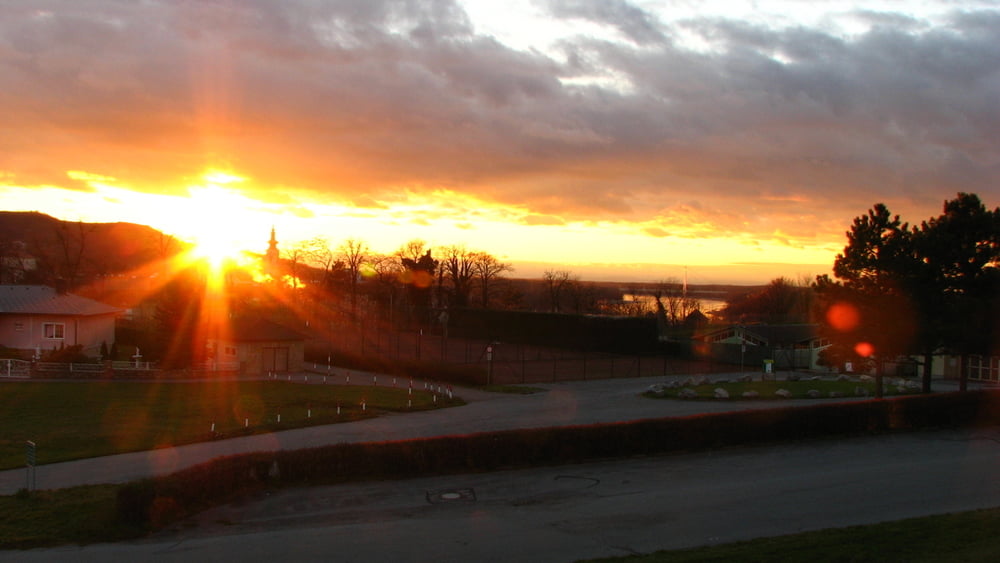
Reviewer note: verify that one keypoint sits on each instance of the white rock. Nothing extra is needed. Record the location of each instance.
(813, 394)
(721, 393)
(783, 393)
(687, 394)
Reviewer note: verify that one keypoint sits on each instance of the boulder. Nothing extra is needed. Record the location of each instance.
(700, 380)
(745, 378)
(843, 377)
(656, 389)
(687, 393)
(783, 393)
(721, 393)
(866, 379)
(813, 394)
(750, 394)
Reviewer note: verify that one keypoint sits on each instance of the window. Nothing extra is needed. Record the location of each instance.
(54, 331)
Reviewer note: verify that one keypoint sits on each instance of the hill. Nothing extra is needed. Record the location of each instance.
(38, 248)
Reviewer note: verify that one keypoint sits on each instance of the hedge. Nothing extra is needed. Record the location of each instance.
(160, 500)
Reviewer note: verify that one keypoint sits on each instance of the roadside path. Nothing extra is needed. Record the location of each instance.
(561, 404)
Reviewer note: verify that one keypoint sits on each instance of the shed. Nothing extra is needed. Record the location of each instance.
(257, 347)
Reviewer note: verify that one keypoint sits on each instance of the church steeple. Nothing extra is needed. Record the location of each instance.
(272, 255)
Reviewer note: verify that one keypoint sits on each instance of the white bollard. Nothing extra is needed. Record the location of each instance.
(363, 407)
(309, 413)
(246, 423)
(279, 418)
(213, 428)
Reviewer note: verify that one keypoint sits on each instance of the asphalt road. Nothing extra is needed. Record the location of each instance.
(573, 512)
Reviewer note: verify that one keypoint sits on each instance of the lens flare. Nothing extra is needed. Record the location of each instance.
(843, 317)
(864, 349)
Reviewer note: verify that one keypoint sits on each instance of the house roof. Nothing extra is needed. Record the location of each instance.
(775, 335)
(44, 300)
(261, 330)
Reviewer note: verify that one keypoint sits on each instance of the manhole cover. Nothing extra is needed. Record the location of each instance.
(451, 495)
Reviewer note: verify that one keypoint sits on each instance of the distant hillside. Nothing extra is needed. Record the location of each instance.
(48, 250)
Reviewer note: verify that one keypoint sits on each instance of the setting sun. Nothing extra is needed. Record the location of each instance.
(218, 219)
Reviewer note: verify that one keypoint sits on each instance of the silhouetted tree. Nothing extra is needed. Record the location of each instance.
(418, 275)
(958, 255)
(556, 282)
(458, 265)
(781, 301)
(873, 269)
(488, 270)
(353, 253)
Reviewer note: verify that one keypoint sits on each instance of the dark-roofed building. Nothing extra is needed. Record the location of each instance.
(792, 346)
(37, 318)
(257, 347)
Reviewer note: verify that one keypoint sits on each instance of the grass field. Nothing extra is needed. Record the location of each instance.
(965, 536)
(74, 420)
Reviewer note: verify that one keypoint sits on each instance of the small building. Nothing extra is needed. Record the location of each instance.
(793, 346)
(257, 347)
(37, 318)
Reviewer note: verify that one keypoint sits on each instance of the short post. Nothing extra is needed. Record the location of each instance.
(30, 450)
(246, 423)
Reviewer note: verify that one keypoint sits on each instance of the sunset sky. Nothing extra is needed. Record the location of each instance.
(620, 140)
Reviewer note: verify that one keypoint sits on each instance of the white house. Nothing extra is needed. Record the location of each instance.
(37, 318)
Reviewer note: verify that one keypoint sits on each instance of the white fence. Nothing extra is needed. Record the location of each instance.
(15, 368)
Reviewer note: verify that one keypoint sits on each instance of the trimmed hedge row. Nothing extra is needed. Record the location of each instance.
(158, 501)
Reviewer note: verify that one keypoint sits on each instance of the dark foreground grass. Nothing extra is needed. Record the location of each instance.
(966, 536)
(74, 420)
(78, 515)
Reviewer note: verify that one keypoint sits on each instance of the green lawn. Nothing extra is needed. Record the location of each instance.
(965, 536)
(73, 420)
(767, 389)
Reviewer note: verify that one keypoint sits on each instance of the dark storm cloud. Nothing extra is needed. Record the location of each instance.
(355, 99)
